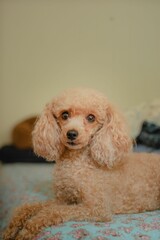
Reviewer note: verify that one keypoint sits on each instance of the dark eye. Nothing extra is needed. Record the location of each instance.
(91, 118)
(65, 115)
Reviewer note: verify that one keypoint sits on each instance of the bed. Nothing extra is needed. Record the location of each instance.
(29, 182)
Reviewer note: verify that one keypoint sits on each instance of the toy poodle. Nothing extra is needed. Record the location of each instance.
(96, 173)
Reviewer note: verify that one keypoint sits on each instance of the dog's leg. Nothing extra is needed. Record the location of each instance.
(21, 215)
(56, 214)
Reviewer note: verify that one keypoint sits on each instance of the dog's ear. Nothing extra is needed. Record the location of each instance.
(112, 141)
(45, 136)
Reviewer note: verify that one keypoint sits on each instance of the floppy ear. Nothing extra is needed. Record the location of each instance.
(45, 136)
(112, 141)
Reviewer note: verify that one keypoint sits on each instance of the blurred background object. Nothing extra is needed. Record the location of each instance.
(22, 133)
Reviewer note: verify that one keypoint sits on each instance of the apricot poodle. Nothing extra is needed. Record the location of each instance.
(96, 174)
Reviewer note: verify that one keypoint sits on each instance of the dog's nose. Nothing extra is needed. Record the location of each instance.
(72, 134)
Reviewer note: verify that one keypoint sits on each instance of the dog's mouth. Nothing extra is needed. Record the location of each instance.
(72, 143)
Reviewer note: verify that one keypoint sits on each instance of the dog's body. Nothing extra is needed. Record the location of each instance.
(125, 189)
(96, 174)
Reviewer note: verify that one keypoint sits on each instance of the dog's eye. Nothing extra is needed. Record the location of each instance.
(91, 118)
(65, 115)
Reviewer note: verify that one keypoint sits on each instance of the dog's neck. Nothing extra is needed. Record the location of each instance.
(75, 154)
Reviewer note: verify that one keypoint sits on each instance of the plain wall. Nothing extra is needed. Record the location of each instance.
(50, 45)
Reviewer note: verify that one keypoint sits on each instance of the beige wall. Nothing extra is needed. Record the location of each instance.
(49, 45)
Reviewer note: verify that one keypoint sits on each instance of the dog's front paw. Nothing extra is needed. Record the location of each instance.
(36, 224)
(21, 215)
(24, 234)
(10, 233)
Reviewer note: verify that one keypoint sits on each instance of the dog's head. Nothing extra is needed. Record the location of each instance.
(80, 118)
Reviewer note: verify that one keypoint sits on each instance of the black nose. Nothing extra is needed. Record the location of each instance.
(72, 134)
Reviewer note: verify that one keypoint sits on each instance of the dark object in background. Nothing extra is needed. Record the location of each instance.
(11, 154)
(149, 135)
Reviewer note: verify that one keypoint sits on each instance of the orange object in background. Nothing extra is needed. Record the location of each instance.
(22, 133)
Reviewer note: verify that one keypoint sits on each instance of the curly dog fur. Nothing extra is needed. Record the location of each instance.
(96, 174)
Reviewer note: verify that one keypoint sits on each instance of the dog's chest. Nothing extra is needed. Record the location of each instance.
(70, 182)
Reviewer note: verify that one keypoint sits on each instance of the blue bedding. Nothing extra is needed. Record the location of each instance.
(22, 183)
